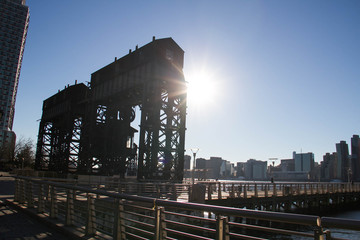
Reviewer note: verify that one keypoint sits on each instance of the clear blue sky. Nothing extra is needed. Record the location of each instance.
(288, 72)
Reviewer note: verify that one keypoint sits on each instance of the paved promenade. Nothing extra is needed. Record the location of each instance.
(16, 225)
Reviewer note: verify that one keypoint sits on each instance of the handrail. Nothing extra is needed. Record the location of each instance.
(62, 196)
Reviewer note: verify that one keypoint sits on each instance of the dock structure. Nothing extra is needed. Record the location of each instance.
(90, 129)
(106, 210)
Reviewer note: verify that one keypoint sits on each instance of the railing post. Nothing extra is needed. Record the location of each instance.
(245, 191)
(174, 192)
(119, 221)
(17, 190)
(222, 228)
(327, 234)
(157, 191)
(41, 205)
(318, 234)
(232, 193)
(160, 225)
(29, 195)
(256, 190)
(69, 207)
(219, 190)
(53, 202)
(90, 228)
(209, 191)
(274, 190)
(266, 191)
(22, 191)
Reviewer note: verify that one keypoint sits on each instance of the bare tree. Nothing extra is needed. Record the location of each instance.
(24, 153)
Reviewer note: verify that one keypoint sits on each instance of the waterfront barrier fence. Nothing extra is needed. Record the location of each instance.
(111, 215)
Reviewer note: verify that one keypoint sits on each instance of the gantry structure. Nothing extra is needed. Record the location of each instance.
(86, 129)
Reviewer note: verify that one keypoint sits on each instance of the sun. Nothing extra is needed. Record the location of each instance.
(202, 89)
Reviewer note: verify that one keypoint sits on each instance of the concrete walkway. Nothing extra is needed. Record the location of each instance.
(16, 225)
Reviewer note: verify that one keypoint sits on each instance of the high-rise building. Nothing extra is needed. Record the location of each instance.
(255, 169)
(304, 162)
(14, 20)
(355, 157)
(343, 166)
(329, 167)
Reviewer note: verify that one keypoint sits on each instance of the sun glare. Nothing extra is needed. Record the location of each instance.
(202, 89)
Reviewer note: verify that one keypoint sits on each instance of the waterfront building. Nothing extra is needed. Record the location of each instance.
(255, 170)
(14, 20)
(187, 160)
(304, 162)
(287, 165)
(355, 157)
(343, 166)
(240, 169)
(201, 163)
(328, 168)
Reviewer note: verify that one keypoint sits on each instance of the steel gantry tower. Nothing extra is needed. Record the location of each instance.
(87, 129)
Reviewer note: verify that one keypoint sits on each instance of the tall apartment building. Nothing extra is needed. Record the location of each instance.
(343, 163)
(355, 157)
(14, 20)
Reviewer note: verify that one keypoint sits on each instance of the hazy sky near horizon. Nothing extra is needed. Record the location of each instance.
(287, 72)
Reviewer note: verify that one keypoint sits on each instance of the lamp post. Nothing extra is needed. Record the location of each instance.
(194, 151)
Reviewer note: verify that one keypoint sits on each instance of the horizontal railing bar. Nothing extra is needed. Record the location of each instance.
(140, 223)
(136, 236)
(190, 226)
(242, 236)
(349, 224)
(180, 233)
(261, 215)
(140, 230)
(275, 230)
(139, 215)
(190, 216)
(138, 207)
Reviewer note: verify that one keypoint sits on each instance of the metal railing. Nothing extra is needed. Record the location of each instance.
(110, 215)
(214, 190)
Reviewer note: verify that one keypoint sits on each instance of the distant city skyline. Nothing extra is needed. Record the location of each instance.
(287, 73)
